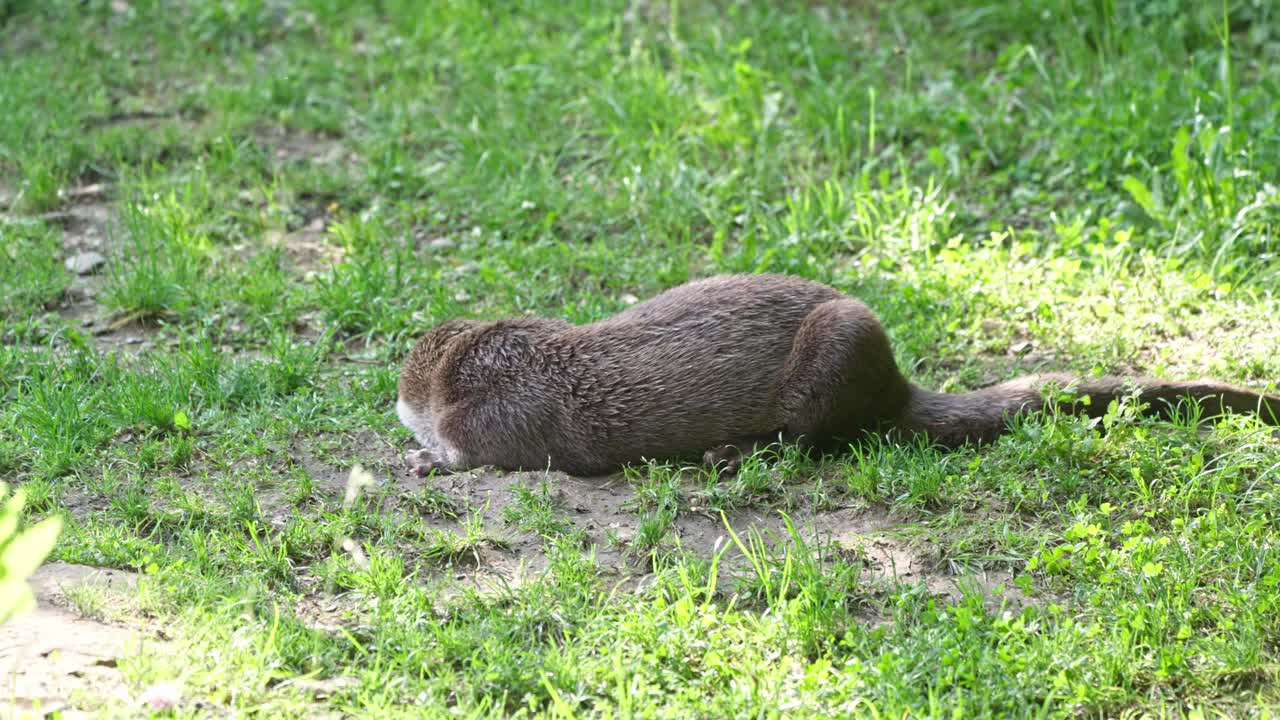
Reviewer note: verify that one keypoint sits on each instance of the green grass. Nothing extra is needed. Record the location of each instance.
(292, 192)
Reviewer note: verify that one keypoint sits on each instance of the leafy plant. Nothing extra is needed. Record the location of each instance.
(21, 552)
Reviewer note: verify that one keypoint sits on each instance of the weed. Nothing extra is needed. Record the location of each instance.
(447, 546)
(536, 510)
(432, 501)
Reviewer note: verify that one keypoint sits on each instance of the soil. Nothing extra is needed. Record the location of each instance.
(56, 658)
(604, 509)
(295, 145)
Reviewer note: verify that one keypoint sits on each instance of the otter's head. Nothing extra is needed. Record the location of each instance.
(414, 402)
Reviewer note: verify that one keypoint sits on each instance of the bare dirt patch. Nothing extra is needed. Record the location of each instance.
(294, 145)
(108, 333)
(80, 503)
(56, 657)
(308, 248)
(598, 506)
(605, 510)
(86, 220)
(915, 560)
(140, 117)
(328, 460)
(87, 224)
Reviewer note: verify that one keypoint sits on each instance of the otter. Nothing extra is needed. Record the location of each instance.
(713, 367)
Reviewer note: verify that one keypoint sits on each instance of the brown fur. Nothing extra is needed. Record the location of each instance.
(726, 362)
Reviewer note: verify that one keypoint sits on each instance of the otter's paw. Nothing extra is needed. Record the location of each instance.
(726, 458)
(421, 463)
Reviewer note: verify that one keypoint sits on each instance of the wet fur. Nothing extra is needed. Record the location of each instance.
(730, 361)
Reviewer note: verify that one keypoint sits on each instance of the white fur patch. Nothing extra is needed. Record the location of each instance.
(421, 423)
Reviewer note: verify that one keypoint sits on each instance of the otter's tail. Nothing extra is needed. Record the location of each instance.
(952, 419)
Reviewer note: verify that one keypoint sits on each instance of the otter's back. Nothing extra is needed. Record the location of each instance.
(694, 366)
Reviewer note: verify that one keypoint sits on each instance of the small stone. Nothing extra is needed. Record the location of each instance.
(441, 243)
(84, 191)
(629, 299)
(85, 263)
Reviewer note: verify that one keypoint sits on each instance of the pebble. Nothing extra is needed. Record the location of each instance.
(85, 263)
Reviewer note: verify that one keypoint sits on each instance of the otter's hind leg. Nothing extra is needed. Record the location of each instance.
(840, 378)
